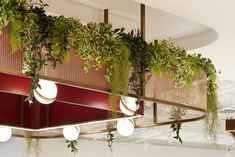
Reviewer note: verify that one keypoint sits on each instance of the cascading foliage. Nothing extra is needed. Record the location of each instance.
(49, 40)
(181, 68)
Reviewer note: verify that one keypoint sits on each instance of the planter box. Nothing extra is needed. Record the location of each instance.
(70, 73)
(160, 89)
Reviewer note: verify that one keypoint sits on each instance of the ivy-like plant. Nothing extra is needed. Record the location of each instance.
(176, 115)
(140, 59)
(100, 45)
(33, 146)
(211, 121)
(110, 138)
(173, 60)
(110, 135)
(176, 128)
(73, 145)
(182, 67)
(49, 40)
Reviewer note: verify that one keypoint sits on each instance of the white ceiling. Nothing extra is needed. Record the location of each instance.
(90, 148)
(159, 24)
(215, 14)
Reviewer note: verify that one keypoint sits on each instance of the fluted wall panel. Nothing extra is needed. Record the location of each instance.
(69, 72)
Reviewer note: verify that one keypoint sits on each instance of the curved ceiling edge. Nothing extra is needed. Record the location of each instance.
(197, 40)
(125, 13)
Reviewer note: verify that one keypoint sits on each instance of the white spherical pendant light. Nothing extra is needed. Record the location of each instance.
(71, 133)
(125, 127)
(5, 134)
(47, 93)
(128, 105)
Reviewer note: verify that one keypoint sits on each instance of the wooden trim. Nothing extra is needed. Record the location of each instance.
(114, 129)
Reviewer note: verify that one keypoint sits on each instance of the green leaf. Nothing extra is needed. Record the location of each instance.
(67, 57)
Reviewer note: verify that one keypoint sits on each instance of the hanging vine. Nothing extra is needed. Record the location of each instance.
(48, 40)
(182, 67)
(176, 115)
(140, 59)
(33, 146)
(110, 135)
(73, 146)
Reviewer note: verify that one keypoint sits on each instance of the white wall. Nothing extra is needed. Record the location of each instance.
(57, 148)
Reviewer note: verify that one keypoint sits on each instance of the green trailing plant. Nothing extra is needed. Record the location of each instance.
(42, 43)
(12, 12)
(33, 146)
(176, 115)
(110, 135)
(173, 60)
(140, 59)
(100, 45)
(49, 40)
(211, 120)
(110, 138)
(29, 145)
(181, 68)
(205, 65)
(176, 128)
(73, 146)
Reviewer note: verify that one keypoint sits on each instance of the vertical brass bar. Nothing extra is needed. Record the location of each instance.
(106, 15)
(155, 112)
(155, 104)
(142, 31)
(22, 111)
(142, 20)
(155, 42)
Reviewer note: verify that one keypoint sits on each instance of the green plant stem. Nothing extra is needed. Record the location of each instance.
(176, 128)
(33, 145)
(182, 67)
(73, 146)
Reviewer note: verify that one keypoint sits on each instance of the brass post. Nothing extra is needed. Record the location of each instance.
(155, 42)
(155, 112)
(142, 20)
(142, 31)
(155, 104)
(106, 15)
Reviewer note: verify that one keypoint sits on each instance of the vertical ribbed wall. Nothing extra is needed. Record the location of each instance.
(72, 71)
(162, 87)
(9, 61)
